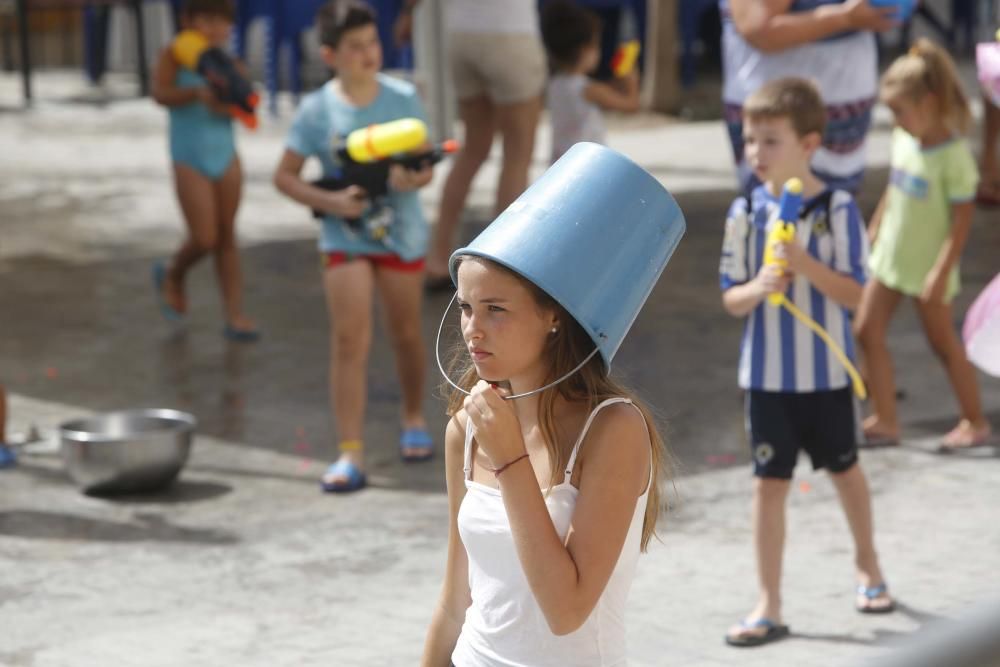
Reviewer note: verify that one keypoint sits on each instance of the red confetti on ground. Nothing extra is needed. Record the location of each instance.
(305, 464)
(804, 487)
(301, 447)
(51, 373)
(300, 432)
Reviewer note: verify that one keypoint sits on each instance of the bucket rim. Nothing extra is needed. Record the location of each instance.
(599, 339)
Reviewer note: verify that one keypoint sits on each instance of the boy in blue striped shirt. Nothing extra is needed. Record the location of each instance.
(798, 396)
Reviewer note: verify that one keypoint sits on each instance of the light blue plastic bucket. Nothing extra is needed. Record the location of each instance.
(594, 232)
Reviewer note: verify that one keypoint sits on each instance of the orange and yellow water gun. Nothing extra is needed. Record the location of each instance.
(783, 231)
(192, 50)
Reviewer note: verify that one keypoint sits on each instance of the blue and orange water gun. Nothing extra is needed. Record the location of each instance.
(192, 50)
(783, 231)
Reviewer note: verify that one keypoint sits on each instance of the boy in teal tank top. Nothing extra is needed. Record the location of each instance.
(207, 174)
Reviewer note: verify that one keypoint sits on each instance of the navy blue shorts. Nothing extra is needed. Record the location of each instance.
(779, 424)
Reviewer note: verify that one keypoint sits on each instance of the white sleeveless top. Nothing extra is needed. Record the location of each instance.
(504, 626)
(572, 116)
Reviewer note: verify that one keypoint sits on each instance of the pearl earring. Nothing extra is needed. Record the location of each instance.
(555, 329)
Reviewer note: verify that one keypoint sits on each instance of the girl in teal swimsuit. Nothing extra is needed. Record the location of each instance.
(207, 174)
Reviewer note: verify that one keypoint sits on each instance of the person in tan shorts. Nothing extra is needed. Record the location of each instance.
(498, 68)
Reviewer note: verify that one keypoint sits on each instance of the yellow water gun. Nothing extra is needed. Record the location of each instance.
(783, 231)
(367, 154)
(623, 61)
(377, 142)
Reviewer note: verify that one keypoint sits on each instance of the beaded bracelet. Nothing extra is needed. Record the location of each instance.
(496, 471)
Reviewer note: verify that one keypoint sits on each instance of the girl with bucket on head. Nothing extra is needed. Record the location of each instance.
(552, 467)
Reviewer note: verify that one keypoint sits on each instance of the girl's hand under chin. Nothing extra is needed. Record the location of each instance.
(494, 423)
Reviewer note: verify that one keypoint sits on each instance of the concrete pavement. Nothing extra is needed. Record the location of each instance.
(245, 562)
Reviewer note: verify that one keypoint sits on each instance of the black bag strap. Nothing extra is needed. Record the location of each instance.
(824, 200)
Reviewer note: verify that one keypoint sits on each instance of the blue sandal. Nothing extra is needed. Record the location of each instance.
(356, 480)
(773, 633)
(416, 438)
(873, 593)
(170, 313)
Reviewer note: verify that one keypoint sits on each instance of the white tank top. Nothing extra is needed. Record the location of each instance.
(492, 16)
(572, 116)
(504, 626)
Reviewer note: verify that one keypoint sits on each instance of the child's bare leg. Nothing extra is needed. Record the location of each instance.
(477, 115)
(349, 290)
(227, 255)
(878, 303)
(196, 195)
(944, 340)
(769, 495)
(852, 487)
(990, 181)
(402, 293)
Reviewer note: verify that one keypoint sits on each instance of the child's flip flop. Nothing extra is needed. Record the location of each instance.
(774, 632)
(235, 335)
(965, 436)
(170, 313)
(873, 593)
(416, 438)
(356, 480)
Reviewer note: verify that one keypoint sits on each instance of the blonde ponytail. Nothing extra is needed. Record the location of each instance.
(928, 69)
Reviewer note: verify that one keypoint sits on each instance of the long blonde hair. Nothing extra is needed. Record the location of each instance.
(928, 69)
(591, 384)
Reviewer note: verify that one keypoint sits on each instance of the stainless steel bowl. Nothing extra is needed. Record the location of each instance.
(132, 451)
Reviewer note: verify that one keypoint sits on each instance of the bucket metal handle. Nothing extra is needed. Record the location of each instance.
(444, 374)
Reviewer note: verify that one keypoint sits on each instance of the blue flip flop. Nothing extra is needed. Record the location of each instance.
(774, 632)
(235, 335)
(7, 456)
(416, 438)
(356, 480)
(170, 313)
(872, 593)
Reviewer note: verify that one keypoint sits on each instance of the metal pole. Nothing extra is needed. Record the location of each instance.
(430, 53)
(22, 28)
(140, 31)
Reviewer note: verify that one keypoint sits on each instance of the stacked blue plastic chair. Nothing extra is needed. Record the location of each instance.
(393, 57)
(248, 11)
(610, 12)
(294, 18)
(96, 21)
(691, 13)
(284, 23)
